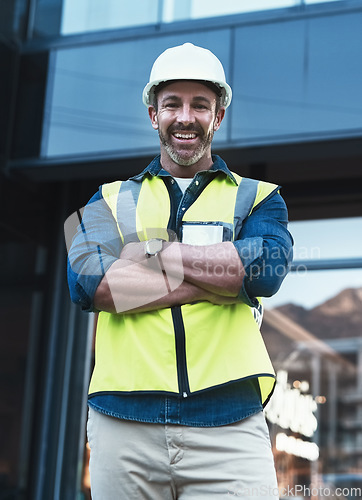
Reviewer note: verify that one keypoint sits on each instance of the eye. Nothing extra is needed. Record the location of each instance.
(170, 105)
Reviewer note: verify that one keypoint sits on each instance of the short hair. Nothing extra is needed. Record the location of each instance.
(212, 86)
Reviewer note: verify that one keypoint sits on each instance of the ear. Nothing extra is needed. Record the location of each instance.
(219, 118)
(153, 117)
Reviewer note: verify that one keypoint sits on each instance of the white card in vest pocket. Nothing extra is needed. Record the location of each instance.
(202, 234)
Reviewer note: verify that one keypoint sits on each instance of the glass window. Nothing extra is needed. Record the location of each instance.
(205, 8)
(95, 100)
(321, 241)
(94, 91)
(319, 1)
(315, 412)
(269, 72)
(327, 239)
(312, 329)
(92, 15)
(308, 288)
(279, 95)
(334, 74)
(94, 95)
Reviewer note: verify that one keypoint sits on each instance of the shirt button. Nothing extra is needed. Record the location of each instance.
(172, 181)
(197, 183)
(183, 208)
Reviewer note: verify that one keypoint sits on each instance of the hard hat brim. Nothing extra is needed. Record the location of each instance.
(148, 91)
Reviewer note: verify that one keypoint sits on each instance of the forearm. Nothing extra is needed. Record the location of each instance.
(216, 268)
(132, 287)
(93, 244)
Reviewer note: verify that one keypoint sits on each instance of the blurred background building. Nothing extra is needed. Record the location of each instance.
(71, 118)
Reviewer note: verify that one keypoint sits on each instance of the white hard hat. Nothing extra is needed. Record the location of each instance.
(187, 62)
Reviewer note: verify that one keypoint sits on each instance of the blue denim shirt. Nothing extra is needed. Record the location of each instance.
(265, 249)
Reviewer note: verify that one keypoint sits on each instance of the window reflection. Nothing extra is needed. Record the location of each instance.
(315, 414)
(92, 15)
(94, 91)
(317, 239)
(308, 289)
(95, 95)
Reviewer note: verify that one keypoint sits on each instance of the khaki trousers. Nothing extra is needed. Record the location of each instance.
(146, 461)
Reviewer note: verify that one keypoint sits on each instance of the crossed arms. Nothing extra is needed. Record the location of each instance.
(210, 273)
(102, 273)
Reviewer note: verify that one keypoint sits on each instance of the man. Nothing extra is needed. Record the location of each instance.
(175, 259)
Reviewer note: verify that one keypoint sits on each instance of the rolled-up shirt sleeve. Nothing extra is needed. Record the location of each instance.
(265, 247)
(94, 244)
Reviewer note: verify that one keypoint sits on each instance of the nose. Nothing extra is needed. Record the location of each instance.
(186, 115)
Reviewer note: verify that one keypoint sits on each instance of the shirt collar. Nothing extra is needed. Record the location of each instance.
(155, 169)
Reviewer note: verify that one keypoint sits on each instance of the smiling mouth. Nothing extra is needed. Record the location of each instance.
(184, 136)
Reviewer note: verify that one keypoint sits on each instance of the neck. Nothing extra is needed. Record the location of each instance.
(185, 171)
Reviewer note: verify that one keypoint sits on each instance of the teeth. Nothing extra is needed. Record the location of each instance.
(184, 136)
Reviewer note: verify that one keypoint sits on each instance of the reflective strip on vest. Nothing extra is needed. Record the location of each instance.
(137, 352)
(127, 205)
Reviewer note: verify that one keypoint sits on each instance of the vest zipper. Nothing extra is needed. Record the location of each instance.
(180, 346)
(178, 324)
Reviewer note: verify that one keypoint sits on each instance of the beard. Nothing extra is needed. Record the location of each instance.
(198, 153)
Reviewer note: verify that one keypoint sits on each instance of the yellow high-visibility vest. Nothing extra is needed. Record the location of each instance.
(194, 347)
